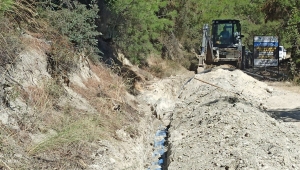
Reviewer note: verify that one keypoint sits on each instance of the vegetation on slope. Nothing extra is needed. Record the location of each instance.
(67, 133)
(137, 28)
(180, 22)
(287, 14)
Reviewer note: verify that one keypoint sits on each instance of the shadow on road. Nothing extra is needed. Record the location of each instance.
(286, 115)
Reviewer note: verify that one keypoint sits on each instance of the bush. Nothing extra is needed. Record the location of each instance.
(61, 59)
(6, 5)
(77, 23)
(139, 26)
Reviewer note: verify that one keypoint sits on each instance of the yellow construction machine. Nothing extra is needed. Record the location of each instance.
(223, 45)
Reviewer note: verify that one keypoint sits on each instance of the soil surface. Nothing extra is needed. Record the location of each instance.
(228, 120)
(219, 119)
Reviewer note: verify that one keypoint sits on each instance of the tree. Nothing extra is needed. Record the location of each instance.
(71, 27)
(138, 26)
(288, 14)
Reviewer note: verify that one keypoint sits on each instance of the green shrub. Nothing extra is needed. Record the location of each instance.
(138, 26)
(77, 23)
(5, 5)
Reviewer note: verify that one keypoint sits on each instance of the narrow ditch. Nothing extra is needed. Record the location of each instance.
(160, 149)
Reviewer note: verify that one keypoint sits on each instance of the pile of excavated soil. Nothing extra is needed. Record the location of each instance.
(220, 121)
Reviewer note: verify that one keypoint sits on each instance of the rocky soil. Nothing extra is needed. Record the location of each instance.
(228, 120)
(215, 120)
(26, 110)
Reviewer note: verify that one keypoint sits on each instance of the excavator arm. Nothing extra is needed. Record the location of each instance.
(206, 53)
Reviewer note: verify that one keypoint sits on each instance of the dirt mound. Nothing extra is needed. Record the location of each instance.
(218, 119)
(220, 122)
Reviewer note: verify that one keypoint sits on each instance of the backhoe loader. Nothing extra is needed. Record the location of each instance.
(223, 46)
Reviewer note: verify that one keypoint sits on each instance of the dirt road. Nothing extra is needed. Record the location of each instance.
(284, 105)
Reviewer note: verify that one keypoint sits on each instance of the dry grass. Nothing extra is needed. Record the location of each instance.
(87, 129)
(11, 142)
(23, 11)
(35, 41)
(44, 97)
(39, 98)
(107, 97)
(72, 143)
(75, 130)
(164, 67)
(74, 127)
(10, 44)
(112, 84)
(78, 130)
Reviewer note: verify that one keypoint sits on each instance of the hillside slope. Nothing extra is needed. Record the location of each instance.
(81, 120)
(216, 120)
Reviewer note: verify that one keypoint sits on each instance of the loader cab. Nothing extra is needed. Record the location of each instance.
(226, 33)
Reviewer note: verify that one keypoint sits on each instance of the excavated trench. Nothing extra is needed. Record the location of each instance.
(162, 107)
(160, 149)
(218, 120)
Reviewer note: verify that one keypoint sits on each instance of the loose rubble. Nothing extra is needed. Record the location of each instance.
(220, 121)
